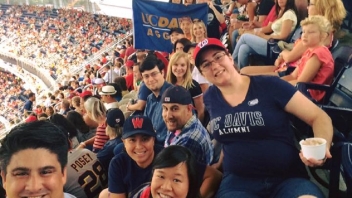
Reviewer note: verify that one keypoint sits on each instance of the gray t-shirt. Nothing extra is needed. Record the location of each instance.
(66, 195)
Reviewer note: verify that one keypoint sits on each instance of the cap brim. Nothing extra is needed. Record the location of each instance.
(205, 48)
(142, 132)
(104, 94)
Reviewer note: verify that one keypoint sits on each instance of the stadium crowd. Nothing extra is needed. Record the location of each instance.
(121, 118)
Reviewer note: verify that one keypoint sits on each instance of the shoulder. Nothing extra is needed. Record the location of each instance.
(289, 14)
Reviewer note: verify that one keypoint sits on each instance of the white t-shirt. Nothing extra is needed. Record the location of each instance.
(198, 77)
(277, 24)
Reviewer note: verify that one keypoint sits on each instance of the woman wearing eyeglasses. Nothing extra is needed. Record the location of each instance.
(250, 117)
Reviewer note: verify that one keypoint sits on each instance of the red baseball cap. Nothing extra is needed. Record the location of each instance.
(85, 93)
(129, 63)
(205, 44)
(31, 118)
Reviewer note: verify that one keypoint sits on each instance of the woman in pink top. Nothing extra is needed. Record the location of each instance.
(317, 64)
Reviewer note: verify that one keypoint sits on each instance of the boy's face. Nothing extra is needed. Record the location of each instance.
(34, 173)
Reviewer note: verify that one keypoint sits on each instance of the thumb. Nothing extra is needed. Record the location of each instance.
(328, 154)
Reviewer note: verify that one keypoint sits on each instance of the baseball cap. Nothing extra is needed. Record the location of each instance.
(107, 90)
(178, 30)
(31, 118)
(98, 81)
(205, 44)
(85, 93)
(176, 94)
(115, 117)
(138, 124)
(129, 63)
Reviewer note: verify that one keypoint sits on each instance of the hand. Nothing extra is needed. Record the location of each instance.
(80, 146)
(211, 5)
(313, 162)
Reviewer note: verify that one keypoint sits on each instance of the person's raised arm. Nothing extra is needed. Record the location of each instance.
(139, 105)
(219, 16)
(307, 111)
(291, 77)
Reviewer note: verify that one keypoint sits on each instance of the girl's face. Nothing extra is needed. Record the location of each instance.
(198, 30)
(282, 3)
(179, 68)
(170, 182)
(311, 35)
(179, 47)
(311, 8)
(190, 55)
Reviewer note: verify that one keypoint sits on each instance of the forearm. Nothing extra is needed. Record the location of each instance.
(210, 183)
(138, 106)
(288, 78)
(219, 15)
(322, 127)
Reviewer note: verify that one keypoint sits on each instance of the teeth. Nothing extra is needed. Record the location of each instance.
(164, 196)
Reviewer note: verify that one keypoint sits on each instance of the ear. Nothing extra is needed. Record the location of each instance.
(64, 175)
(3, 177)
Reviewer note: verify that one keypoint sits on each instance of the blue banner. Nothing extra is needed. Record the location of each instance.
(152, 21)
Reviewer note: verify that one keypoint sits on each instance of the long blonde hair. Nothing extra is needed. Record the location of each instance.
(199, 23)
(171, 78)
(333, 10)
(95, 109)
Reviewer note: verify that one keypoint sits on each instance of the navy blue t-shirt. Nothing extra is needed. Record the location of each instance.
(107, 152)
(125, 175)
(28, 106)
(256, 136)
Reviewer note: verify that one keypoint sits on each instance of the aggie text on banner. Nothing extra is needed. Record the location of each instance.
(152, 21)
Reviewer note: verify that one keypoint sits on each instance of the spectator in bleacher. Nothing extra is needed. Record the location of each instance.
(215, 19)
(137, 77)
(67, 126)
(65, 107)
(115, 120)
(264, 9)
(317, 64)
(138, 137)
(241, 108)
(203, 83)
(176, 34)
(129, 75)
(122, 51)
(110, 74)
(121, 82)
(49, 111)
(130, 50)
(335, 13)
(198, 31)
(28, 106)
(280, 29)
(179, 73)
(34, 153)
(151, 70)
(183, 127)
(186, 25)
(76, 104)
(84, 132)
(108, 94)
(96, 111)
(180, 44)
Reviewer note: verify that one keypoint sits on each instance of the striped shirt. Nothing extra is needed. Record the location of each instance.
(100, 138)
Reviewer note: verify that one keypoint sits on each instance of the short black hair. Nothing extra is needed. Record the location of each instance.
(34, 135)
(31, 95)
(172, 156)
(150, 62)
(62, 122)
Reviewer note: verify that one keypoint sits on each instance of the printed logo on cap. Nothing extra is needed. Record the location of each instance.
(137, 122)
(118, 120)
(167, 99)
(203, 43)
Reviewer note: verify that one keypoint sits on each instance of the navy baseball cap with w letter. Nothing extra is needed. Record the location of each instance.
(137, 125)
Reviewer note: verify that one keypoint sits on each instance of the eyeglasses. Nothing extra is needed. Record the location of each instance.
(217, 58)
(153, 75)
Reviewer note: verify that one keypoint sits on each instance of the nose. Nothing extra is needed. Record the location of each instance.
(166, 186)
(34, 184)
